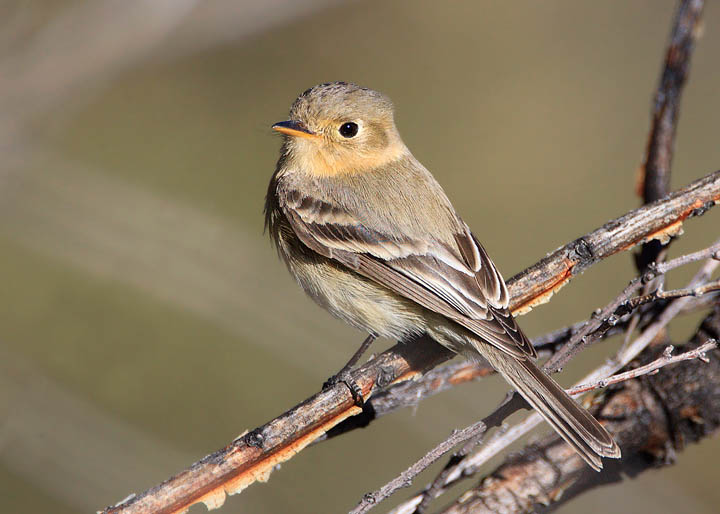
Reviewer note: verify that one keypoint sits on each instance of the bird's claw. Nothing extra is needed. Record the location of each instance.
(345, 378)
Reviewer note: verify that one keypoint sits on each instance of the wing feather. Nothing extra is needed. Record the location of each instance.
(460, 283)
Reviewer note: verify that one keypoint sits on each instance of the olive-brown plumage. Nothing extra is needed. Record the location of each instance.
(371, 236)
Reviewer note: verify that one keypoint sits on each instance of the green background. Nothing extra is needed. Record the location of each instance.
(145, 320)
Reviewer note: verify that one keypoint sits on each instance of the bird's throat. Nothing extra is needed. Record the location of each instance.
(323, 162)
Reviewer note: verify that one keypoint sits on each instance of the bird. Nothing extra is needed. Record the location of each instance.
(370, 235)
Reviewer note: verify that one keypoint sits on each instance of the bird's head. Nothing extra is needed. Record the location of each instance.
(339, 128)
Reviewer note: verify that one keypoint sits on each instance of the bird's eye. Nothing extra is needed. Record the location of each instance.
(348, 129)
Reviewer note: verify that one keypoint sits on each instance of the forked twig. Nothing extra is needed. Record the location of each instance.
(497, 417)
(499, 442)
(666, 359)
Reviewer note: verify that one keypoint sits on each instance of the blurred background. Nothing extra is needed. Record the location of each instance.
(145, 320)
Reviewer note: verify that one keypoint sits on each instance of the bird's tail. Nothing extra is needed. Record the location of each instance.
(574, 424)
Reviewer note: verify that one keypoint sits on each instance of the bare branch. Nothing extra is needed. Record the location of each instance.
(406, 477)
(253, 456)
(654, 176)
(654, 181)
(609, 323)
(666, 359)
(649, 418)
(474, 432)
(624, 357)
(654, 173)
(466, 466)
(639, 301)
(539, 282)
(442, 379)
(441, 482)
(610, 314)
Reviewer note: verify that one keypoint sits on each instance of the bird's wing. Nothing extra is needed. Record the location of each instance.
(459, 282)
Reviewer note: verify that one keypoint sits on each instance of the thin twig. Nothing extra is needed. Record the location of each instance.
(624, 357)
(440, 481)
(415, 505)
(406, 477)
(590, 332)
(661, 268)
(639, 301)
(499, 442)
(649, 419)
(510, 405)
(666, 359)
(609, 315)
(711, 252)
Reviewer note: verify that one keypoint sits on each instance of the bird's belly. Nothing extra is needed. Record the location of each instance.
(355, 299)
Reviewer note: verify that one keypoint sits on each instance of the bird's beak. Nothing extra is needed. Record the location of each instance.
(294, 128)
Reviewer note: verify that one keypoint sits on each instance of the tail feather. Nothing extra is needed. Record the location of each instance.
(574, 424)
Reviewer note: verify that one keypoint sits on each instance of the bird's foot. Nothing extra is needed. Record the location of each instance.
(344, 377)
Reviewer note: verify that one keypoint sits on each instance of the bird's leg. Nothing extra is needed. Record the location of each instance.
(344, 374)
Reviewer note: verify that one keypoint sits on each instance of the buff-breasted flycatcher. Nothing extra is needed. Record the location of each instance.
(371, 236)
